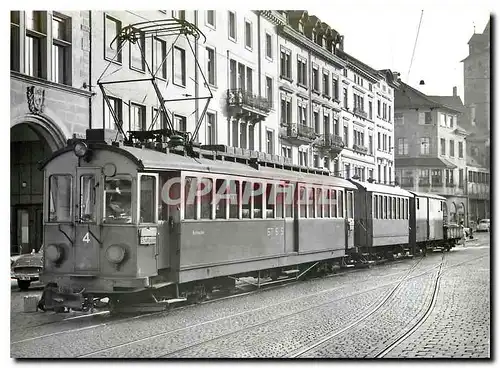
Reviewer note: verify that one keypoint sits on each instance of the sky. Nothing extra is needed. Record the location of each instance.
(382, 34)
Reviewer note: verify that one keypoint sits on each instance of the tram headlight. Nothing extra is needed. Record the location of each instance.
(115, 254)
(80, 149)
(53, 253)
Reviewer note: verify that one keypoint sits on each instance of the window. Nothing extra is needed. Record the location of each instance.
(179, 14)
(301, 71)
(302, 158)
(137, 117)
(234, 199)
(346, 134)
(180, 123)
(246, 201)
(190, 198)
(460, 178)
(370, 110)
(315, 77)
(399, 119)
(437, 177)
(375, 206)
(326, 123)
(232, 25)
(206, 199)
(443, 146)
(249, 85)
(271, 201)
(345, 99)
(286, 64)
(221, 200)
(179, 67)
(286, 111)
(350, 205)
(60, 203)
(210, 18)
(148, 208)
(258, 200)
(270, 142)
(87, 198)
(333, 195)
(118, 199)
(211, 128)
(269, 46)
(460, 149)
(112, 28)
(269, 89)
(402, 146)
(452, 148)
(286, 151)
(425, 146)
(310, 202)
(136, 51)
(15, 48)
(424, 179)
(35, 49)
(116, 106)
(158, 120)
(211, 66)
(316, 160)
(243, 134)
(159, 55)
(335, 88)
(61, 50)
(326, 83)
(302, 106)
(248, 34)
(340, 203)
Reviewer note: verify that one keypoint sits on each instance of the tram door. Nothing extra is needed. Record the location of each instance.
(28, 229)
(87, 230)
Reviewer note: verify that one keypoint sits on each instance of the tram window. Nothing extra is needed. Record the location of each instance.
(380, 206)
(190, 198)
(389, 207)
(303, 201)
(406, 209)
(385, 207)
(418, 204)
(234, 201)
(326, 202)
(398, 207)
(118, 198)
(205, 198)
(246, 200)
(349, 205)
(147, 200)
(340, 201)
(221, 191)
(60, 189)
(257, 200)
(375, 206)
(288, 198)
(280, 200)
(310, 202)
(333, 194)
(270, 201)
(87, 198)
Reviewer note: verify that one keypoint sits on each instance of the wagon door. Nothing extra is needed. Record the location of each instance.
(87, 231)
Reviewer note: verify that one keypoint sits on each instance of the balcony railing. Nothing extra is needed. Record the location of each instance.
(360, 148)
(330, 144)
(245, 99)
(306, 131)
(298, 133)
(357, 111)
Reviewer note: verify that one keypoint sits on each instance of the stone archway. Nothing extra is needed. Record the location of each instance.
(461, 212)
(33, 138)
(453, 213)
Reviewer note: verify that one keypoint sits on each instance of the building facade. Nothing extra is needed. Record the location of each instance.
(431, 154)
(281, 83)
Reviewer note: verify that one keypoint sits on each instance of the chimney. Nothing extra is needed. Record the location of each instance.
(454, 91)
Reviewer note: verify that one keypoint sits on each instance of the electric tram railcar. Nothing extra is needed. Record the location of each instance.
(109, 232)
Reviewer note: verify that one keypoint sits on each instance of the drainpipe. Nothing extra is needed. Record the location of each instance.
(196, 89)
(90, 69)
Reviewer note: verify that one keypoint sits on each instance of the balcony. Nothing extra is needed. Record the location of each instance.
(358, 112)
(298, 133)
(246, 105)
(330, 145)
(359, 148)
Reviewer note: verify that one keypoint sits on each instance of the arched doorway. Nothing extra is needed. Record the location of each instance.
(31, 141)
(453, 213)
(461, 212)
(445, 212)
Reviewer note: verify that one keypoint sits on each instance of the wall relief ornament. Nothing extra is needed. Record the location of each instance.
(36, 99)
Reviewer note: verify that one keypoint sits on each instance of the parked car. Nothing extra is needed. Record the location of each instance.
(26, 268)
(484, 225)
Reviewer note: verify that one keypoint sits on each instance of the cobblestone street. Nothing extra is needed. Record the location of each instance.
(351, 315)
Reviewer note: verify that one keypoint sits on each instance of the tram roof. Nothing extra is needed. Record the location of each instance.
(379, 188)
(154, 160)
(428, 195)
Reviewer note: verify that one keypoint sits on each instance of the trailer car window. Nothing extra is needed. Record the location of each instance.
(118, 198)
(398, 212)
(60, 206)
(288, 198)
(319, 203)
(406, 208)
(87, 198)
(375, 206)
(334, 203)
(349, 205)
(310, 202)
(148, 200)
(190, 198)
(280, 200)
(257, 199)
(326, 202)
(206, 198)
(234, 202)
(341, 204)
(303, 201)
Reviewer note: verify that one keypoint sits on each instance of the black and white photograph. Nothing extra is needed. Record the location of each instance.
(251, 184)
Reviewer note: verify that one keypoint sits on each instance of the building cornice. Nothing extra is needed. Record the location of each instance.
(287, 31)
(272, 16)
(48, 84)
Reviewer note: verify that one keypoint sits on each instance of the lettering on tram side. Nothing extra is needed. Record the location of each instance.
(198, 232)
(275, 231)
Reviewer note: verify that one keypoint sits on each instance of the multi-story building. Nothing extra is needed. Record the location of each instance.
(336, 112)
(49, 67)
(431, 148)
